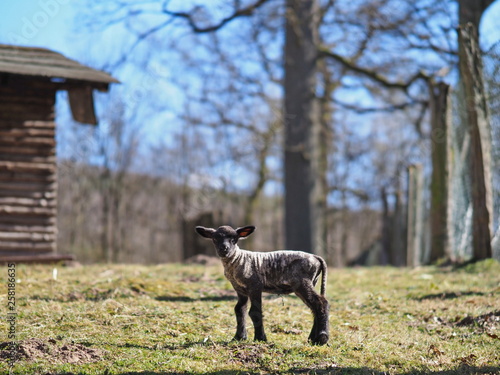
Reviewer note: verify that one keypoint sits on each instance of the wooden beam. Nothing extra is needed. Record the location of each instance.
(26, 166)
(27, 132)
(26, 150)
(15, 210)
(24, 236)
(27, 141)
(33, 124)
(27, 186)
(28, 158)
(39, 247)
(49, 194)
(9, 219)
(27, 202)
(28, 228)
(35, 258)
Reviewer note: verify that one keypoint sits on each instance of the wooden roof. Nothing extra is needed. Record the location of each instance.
(42, 62)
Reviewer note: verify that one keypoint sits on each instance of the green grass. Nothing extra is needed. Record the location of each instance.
(179, 319)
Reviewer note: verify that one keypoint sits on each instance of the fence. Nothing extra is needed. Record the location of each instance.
(460, 212)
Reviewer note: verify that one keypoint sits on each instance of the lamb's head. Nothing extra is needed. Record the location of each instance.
(225, 238)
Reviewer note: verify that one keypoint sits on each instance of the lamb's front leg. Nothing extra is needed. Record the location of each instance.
(240, 311)
(256, 315)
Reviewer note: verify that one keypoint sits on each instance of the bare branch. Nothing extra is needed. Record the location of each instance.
(142, 36)
(324, 10)
(372, 74)
(356, 192)
(243, 12)
(389, 109)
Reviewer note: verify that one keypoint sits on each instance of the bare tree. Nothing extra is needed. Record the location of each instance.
(471, 74)
(339, 57)
(304, 204)
(117, 147)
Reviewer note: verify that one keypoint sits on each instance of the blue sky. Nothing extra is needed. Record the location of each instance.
(51, 24)
(41, 23)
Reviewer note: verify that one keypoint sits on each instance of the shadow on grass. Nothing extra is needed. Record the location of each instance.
(216, 298)
(186, 345)
(190, 299)
(105, 295)
(462, 370)
(449, 295)
(89, 295)
(190, 344)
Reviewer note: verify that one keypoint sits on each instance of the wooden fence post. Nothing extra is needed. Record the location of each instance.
(398, 254)
(440, 179)
(414, 218)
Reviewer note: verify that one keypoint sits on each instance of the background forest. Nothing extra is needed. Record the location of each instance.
(201, 129)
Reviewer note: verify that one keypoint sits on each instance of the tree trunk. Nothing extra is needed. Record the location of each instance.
(472, 11)
(440, 116)
(480, 133)
(303, 196)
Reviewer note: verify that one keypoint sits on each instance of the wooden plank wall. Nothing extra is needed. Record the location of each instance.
(28, 185)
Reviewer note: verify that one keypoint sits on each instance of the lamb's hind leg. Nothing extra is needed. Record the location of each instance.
(319, 307)
(240, 311)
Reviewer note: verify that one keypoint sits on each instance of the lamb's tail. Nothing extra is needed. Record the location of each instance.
(324, 271)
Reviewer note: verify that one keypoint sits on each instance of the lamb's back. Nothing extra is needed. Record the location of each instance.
(273, 272)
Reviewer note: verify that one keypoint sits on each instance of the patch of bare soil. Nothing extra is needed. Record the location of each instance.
(34, 349)
(485, 321)
(482, 324)
(250, 355)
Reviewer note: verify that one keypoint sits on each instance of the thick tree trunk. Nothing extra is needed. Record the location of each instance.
(303, 196)
(472, 11)
(480, 133)
(440, 117)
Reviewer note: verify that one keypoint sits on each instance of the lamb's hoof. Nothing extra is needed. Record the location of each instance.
(239, 337)
(263, 338)
(321, 339)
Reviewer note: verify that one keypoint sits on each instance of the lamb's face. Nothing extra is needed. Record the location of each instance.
(225, 239)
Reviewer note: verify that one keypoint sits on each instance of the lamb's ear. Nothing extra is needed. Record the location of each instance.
(205, 232)
(244, 232)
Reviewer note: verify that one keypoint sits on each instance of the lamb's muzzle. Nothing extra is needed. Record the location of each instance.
(279, 272)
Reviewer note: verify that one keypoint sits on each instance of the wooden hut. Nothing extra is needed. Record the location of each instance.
(29, 80)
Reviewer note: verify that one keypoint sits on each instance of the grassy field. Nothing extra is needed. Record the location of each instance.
(166, 319)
